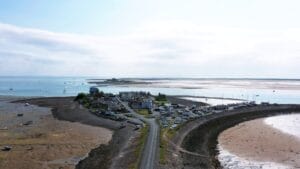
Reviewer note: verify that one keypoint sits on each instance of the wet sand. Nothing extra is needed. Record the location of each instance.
(47, 143)
(209, 83)
(260, 143)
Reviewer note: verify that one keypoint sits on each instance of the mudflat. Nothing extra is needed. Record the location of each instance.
(119, 152)
(40, 141)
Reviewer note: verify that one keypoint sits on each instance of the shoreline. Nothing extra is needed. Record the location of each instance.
(257, 143)
(200, 136)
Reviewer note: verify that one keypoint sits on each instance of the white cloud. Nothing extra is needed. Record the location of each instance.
(169, 48)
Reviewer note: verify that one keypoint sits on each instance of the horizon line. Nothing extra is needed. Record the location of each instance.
(89, 77)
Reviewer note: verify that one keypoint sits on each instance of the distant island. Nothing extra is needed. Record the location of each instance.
(115, 81)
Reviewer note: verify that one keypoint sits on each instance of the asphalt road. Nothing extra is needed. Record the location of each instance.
(149, 156)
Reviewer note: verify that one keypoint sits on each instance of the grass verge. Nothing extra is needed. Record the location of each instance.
(139, 147)
(163, 143)
(165, 135)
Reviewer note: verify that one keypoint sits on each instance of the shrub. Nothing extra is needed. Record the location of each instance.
(99, 94)
(161, 97)
(80, 96)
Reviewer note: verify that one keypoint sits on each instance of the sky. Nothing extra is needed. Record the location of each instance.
(157, 38)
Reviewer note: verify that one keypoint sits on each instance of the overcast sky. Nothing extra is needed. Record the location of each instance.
(150, 38)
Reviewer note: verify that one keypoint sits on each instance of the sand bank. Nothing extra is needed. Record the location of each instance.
(256, 143)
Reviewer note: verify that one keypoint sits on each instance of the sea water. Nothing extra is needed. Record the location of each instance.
(289, 124)
(273, 91)
(42, 86)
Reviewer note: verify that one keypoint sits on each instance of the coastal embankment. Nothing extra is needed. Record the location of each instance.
(180, 100)
(195, 144)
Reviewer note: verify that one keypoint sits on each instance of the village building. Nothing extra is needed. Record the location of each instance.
(94, 90)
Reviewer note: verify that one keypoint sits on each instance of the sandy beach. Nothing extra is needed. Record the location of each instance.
(256, 143)
(39, 141)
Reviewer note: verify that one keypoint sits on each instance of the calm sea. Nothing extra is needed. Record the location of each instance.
(42, 86)
(274, 91)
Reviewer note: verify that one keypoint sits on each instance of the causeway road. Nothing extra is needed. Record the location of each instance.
(150, 152)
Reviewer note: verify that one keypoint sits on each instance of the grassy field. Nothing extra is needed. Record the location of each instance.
(161, 103)
(140, 145)
(145, 112)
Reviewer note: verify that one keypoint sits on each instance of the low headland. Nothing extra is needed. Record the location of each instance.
(111, 131)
